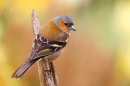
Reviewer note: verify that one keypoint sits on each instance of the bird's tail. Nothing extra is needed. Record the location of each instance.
(23, 68)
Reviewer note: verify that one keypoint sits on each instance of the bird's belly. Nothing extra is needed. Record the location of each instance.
(54, 55)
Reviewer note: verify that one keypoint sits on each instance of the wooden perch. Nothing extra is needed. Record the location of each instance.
(46, 70)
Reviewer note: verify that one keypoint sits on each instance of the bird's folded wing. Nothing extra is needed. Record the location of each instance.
(42, 47)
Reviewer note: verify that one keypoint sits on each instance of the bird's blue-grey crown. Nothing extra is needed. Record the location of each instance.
(66, 18)
(62, 18)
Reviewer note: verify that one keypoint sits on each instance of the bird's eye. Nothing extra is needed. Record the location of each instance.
(66, 24)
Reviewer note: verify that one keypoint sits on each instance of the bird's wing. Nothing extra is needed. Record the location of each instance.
(42, 47)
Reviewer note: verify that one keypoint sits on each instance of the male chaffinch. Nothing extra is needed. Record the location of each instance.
(49, 42)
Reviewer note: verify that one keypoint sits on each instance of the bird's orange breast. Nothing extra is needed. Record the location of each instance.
(51, 32)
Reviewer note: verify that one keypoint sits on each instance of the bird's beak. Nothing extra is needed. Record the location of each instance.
(72, 28)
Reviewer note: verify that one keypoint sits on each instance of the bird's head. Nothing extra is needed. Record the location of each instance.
(64, 22)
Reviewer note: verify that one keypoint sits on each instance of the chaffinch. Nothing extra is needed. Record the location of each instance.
(49, 42)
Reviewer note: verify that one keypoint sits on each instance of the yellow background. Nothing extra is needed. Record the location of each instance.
(98, 53)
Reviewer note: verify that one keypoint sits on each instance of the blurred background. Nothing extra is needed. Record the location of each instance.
(98, 53)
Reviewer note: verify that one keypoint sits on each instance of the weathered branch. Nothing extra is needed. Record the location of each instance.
(46, 69)
(41, 71)
(35, 23)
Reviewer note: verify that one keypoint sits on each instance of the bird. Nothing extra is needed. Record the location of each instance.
(49, 43)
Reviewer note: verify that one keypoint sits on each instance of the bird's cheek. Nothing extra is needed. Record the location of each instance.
(63, 27)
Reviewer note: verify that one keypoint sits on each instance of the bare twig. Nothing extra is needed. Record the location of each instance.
(35, 23)
(41, 70)
(46, 70)
(49, 76)
(55, 78)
